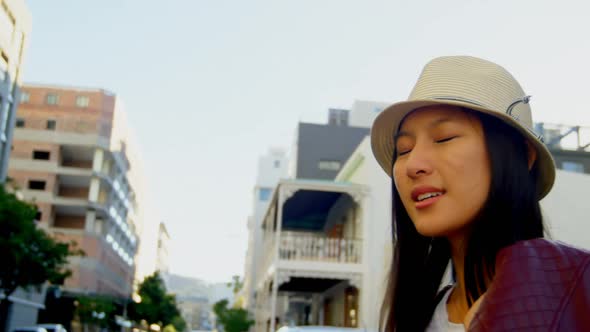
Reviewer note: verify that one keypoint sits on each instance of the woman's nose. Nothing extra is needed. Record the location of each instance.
(419, 161)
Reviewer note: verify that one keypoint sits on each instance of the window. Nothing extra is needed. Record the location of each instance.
(25, 97)
(51, 124)
(572, 166)
(36, 184)
(82, 101)
(41, 155)
(20, 123)
(264, 194)
(277, 163)
(51, 99)
(329, 165)
(38, 216)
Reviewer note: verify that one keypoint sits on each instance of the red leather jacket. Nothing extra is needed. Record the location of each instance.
(540, 285)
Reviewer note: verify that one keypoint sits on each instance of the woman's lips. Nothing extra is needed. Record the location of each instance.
(428, 202)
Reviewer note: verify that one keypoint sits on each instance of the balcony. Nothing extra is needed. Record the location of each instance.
(312, 251)
(296, 246)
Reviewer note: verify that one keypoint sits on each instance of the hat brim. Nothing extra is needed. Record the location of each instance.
(387, 124)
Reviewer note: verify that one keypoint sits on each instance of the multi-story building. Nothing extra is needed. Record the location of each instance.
(271, 168)
(15, 27)
(163, 259)
(163, 254)
(70, 157)
(313, 248)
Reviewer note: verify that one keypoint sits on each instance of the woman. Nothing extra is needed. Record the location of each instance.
(468, 172)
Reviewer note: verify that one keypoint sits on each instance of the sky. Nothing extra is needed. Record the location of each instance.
(211, 85)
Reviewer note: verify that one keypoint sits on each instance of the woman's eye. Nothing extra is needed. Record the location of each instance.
(445, 139)
(401, 153)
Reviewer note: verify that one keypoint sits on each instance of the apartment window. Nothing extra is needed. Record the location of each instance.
(264, 194)
(572, 166)
(38, 216)
(277, 163)
(51, 99)
(25, 97)
(82, 101)
(41, 155)
(51, 124)
(20, 123)
(36, 184)
(329, 165)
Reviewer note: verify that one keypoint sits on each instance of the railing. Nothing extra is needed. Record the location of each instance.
(312, 247)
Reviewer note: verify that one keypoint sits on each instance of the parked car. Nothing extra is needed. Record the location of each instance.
(29, 329)
(53, 327)
(319, 329)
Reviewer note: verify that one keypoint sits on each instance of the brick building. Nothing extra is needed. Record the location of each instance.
(67, 159)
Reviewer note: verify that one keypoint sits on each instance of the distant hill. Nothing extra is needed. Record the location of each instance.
(194, 288)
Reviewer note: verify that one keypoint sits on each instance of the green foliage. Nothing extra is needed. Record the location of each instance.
(156, 307)
(179, 324)
(30, 257)
(169, 328)
(95, 310)
(236, 284)
(232, 320)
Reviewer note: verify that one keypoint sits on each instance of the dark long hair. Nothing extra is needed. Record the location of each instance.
(511, 213)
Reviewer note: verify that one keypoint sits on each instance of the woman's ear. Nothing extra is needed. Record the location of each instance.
(531, 154)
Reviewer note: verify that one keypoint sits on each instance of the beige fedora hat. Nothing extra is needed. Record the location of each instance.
(472, 83)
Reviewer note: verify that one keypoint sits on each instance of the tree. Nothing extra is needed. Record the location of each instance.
(236, 284)
(232, 320)
(95, 310)
(30, 257)
(156, 307)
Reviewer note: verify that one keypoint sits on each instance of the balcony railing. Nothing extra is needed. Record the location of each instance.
(311, 247)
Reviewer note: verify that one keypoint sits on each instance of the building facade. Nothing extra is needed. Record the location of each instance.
(271, 168)
(70, 159)
(15, 27)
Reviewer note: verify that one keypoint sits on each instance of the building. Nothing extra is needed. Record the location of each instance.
(363, 113)
(320, 150)
(312, 246)
(314, 255)
(163, 254)
(15, 27)
(271, 168)
(163, 259)
(70, 157)
(196, 312)
(569, 145)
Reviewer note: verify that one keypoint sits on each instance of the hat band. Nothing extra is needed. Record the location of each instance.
(524, 100)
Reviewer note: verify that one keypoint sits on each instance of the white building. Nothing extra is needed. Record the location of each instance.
(271, 167)
(363, 112)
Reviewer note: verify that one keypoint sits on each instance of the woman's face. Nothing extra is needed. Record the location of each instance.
(442, 171)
